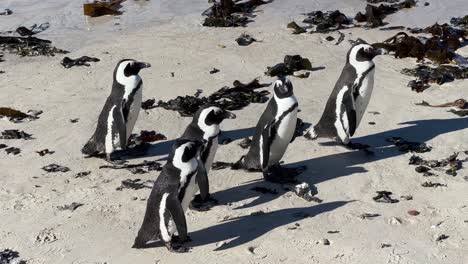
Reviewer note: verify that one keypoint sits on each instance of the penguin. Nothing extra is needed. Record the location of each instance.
(349, 99)
(120, 112)
(205, 126)
(170, 197)
(273, 133)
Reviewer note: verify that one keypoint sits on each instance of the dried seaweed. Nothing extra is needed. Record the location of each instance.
(238, 97)
(55, 168)
(304, 191)
(368, 216)
(374, 15)
(324, 22)
(439, 75)
(214, 70)
(146, 137)
(139, 168)
(296, 28)
(460, 113)
(291, 64)
(15, 134)
(408, 146)
(17, 116)
(264, 190)
(81, 61)
(72, 207)
(29, 46)
(13, 150)
(441, 238)
(82, 174)
(45, 152)
(2, 146)
(433, 184)
(6, 12)
(227, 13)
(459, 103)
(245, 40)
(134, 184)
(384, 197)
(102, 8)
(8, 256)
(461, 22)
(452, 162)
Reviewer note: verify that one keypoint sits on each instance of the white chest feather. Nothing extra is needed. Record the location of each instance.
(187, 169)
(285, 128)
(211, 155)
(134, 111)
(365, 93)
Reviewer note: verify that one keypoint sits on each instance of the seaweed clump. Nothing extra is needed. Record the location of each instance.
(374, 15)
(235, 98)
(227, 13)
(29, 46)
(291, 64)
(439, 75)
(324, 22)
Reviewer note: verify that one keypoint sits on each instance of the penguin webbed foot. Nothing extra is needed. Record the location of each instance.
(178, 240)
(359, 146)
(176, 247)
(200, 205)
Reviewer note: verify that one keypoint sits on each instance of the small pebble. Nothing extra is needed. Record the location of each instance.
(426, 4)
(413, 212)
(395, 221)
(385, 245)
(407, 197)
(371, 123)
(441, 238)
(324, 241)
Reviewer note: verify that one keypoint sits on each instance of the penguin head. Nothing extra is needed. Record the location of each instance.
(283, 88)
(363, 52)
(209, 115)
(128, 69)
(184, 149)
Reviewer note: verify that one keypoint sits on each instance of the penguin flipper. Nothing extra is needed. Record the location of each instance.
(348, 105)
(121, 127)
(266, 140)
(178, 215)
(202, 179)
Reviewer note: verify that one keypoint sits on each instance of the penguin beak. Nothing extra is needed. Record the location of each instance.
(143, 65)
(229, 115)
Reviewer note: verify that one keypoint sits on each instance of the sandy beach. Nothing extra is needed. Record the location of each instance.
(169, 35)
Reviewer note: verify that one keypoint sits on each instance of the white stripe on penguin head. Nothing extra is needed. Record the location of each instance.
(129, 82)
(360, 66)
(208, 131)
(185, 167)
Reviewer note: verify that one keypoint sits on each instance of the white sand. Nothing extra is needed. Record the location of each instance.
(170, 37)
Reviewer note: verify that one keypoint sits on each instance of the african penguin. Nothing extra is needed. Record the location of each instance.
(350, 97)
(170, 197)
(273, 133)
(205, 125)
(120, 112)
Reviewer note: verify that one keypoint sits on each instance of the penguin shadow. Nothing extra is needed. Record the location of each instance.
(346, 164)
(236, 134)
(243, 229)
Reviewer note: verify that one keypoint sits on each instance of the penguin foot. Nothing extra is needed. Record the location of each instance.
(200, 205)
(277, 174)
(176, 247)
(293, 172)
(176, 239)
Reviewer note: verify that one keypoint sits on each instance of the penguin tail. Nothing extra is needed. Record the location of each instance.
(312, 134)
(90, 148)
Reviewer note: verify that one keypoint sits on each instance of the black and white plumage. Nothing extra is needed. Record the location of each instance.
(170, 197)
(273, 133)
(350, 97)
(206, 126)
(120, 112)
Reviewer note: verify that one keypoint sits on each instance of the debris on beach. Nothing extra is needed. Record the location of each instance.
(34, 29)
(135, 184)
(13, 150)
(433, 184)
(6, 12)
(291, 64)
(461, 22)
(441, 238)
(29, 46)
(324, 242)
(2, 146)
(8, 256)
(374, 15)
(384, 197)
(139, 168)
(214, 70)
(238, 97)
(296, 28)
(55, 168)
(17, 116)
(72, 207)
(46, 236)
(146, 136)
(74, 120)
(425, 170)
(304, 191)
(45, 152)
(219, 165)
(439, 75)
(454, 164)
(245, 143)
(408, 146)
(245, 40)
(406, 197)
(148, 104)
(81, 61)
(459, 103)
(227, 13)
(82, 174)
(102, 8)
(324, 22)
(368, 215)
(460, 113)
(264, 190)
(15, 134)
